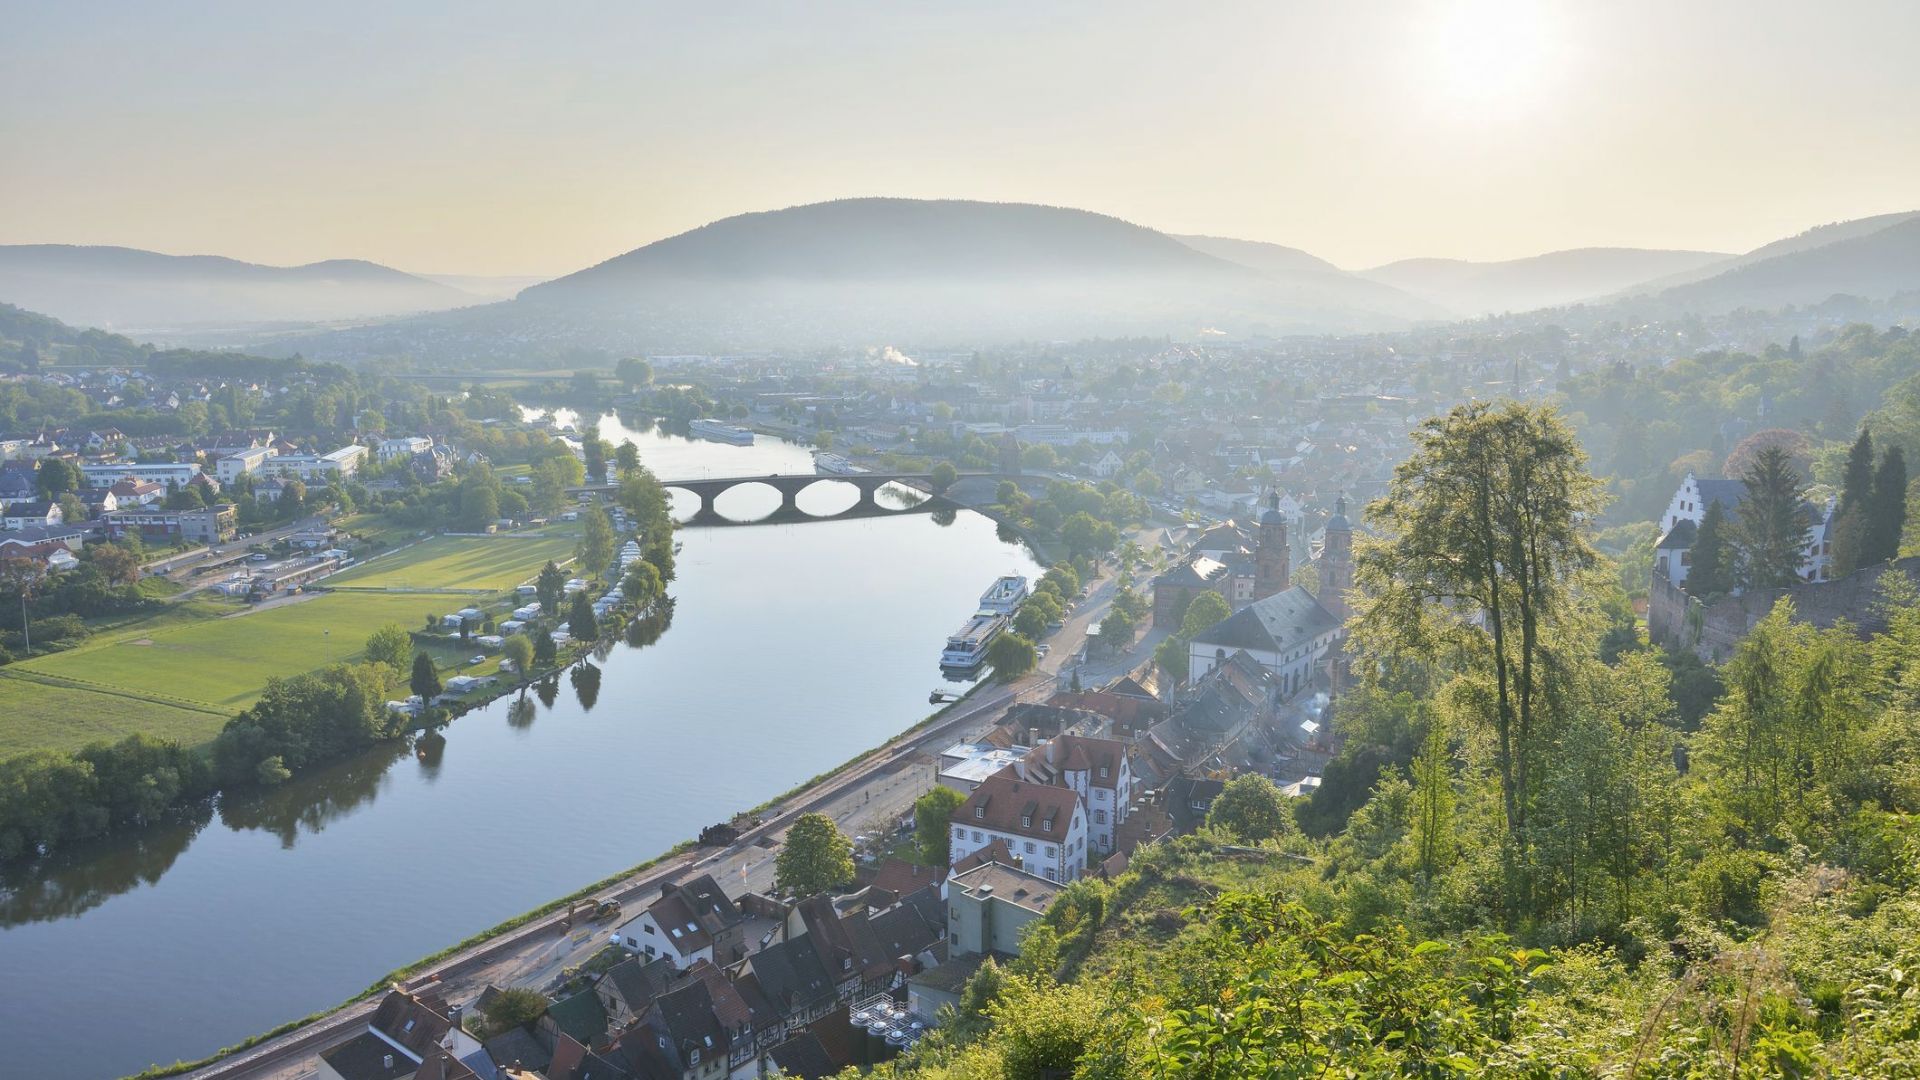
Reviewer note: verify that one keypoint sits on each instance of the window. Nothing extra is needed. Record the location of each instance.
(1026, 821)
(649, 928)
(959, 833)
(980, 812)
(632, 944)
(1100, 817)
(1029, 847)
(1103, 772)
(1047, 825)
(1050, 851)
(1049, 873)
(976, 836)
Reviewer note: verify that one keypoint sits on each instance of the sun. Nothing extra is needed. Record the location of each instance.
(1492, 55)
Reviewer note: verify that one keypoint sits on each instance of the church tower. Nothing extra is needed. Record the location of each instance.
(1336, 562)
(1272, 563)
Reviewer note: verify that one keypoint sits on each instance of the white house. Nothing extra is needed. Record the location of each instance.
(178, 473)
(1688, 507)
(1097, 770)
(405, 446)
(1108, 466)
(241, 462)
(310, 468)
(1287, 633)
(1043, 824)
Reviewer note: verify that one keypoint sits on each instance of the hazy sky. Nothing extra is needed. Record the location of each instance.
(538, 138)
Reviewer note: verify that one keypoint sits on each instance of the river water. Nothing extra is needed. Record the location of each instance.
(792, 647)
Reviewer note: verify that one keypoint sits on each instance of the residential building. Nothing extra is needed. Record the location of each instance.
(212, 525)
(164, 473)
(409, 1035)
(691, 921)
(38, 514)
(1097, 770)
(1688, 507)
(316, 468)
(990, 906)
(234, 464)
(404, 446)
(1043, 824)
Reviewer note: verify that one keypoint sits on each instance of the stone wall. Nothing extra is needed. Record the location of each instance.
(1677, 620)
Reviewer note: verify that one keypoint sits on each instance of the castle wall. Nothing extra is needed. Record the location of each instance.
(1677, 620)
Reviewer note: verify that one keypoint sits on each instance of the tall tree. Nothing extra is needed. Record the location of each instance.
(1770, 536)
(1250, 809)
(549, 587)
(425, 680)
(933, 824)
(627, 457)
(1484, 531)
(581, 622)
(391, 646)
(1850, 518)
(1710, 574)
(1887, 511)
(633, 373)
(596, 541)
(816, 857)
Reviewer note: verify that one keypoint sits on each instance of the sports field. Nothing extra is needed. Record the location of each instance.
(223, 663)
(43, 716)
(478, 563)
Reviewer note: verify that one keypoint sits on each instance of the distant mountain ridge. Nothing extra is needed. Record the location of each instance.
(1557, 278)
(132, 288)
(1873, 265)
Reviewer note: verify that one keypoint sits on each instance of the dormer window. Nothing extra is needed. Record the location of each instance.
(1047, 825)
(980, 812)
(1026, 821)
(1103, 772)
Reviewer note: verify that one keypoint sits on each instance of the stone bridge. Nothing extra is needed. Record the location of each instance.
(709, 489)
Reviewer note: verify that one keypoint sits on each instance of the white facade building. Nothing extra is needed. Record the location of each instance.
(1042, 824)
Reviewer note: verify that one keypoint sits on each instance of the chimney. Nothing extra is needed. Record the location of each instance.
(386, 1062)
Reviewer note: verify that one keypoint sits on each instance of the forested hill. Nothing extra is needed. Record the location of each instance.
(127, 287)
(29, 340)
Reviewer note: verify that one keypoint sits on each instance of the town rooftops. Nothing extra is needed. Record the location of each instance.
(1006, 884)
(417, 1023)
(1286, 620)
(1005, 803)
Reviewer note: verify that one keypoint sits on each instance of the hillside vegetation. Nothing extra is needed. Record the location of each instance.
(1553, 875)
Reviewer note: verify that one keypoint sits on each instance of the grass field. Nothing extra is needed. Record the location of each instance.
(223, 663)
(483, 564)
(40, 716)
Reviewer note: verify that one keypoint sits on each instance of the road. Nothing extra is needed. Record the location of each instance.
(867, 797)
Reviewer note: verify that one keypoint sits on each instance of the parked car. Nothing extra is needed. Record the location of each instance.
(477, 659)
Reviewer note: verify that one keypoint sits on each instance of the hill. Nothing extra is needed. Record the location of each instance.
(1874, 265)
(1818, 236)
(127, 288)
(869, 270)
(1551, 280)
(1309, 276)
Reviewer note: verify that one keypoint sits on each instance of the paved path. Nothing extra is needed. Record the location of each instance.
(868, 797)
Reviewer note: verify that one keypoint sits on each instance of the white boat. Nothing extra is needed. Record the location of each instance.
(1004, 595)
(834, 464)
(967, 648)
(721, 431)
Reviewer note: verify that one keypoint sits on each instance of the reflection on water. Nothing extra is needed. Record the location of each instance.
(316, 798)
(586, 685)
(548, 689)
(521, 712)
(86, 876)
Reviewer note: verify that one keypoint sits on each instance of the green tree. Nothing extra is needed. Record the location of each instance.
(1250, 809)
(642, 585)
(1770, 535)
(596, 541)
(545, 650)
(425, 680)
(479, 500)
(1709, 576)
(933, 824)
(56, 477)
(118, 562)
(513, 1007)
(942, 476)
(1850, 517)
(519, 652)
(1173, 656)
(549, 587)
(633, 373)
(1206, 609)
(1483, 535)
(815, 857)
(1011, 656)
(72, 510)
(1433, 798)
(1887, 513)
(392, 646)
(581, 622)
(626, 458)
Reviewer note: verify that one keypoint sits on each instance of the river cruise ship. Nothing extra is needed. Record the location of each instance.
(834, 465)
(967, 648)
(1005, 595)
(721, 431)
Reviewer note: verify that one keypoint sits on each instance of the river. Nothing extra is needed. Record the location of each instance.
(792, 648)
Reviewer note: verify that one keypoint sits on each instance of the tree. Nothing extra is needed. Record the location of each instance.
(627, 458)
(1887, 512)
(549, 587)
(1770, 537)
(425, 681)
(1173, 656)
(56, 478)
(1250, 809)
(942, 476)
(933, 824)
(1710, 574)
(519, 652)
(120, 565)
(390, 645)
(513, 1007)
(642, 585)
(633, 373)
(581, 622)
(1850, 517)
(1011, 656)
(596, 542)
(72, 510)
(816, 857)
(1741, 459)
(1433, 798)
(545, 650)
(479, 501)
(1483, 536)
(1206, 609)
